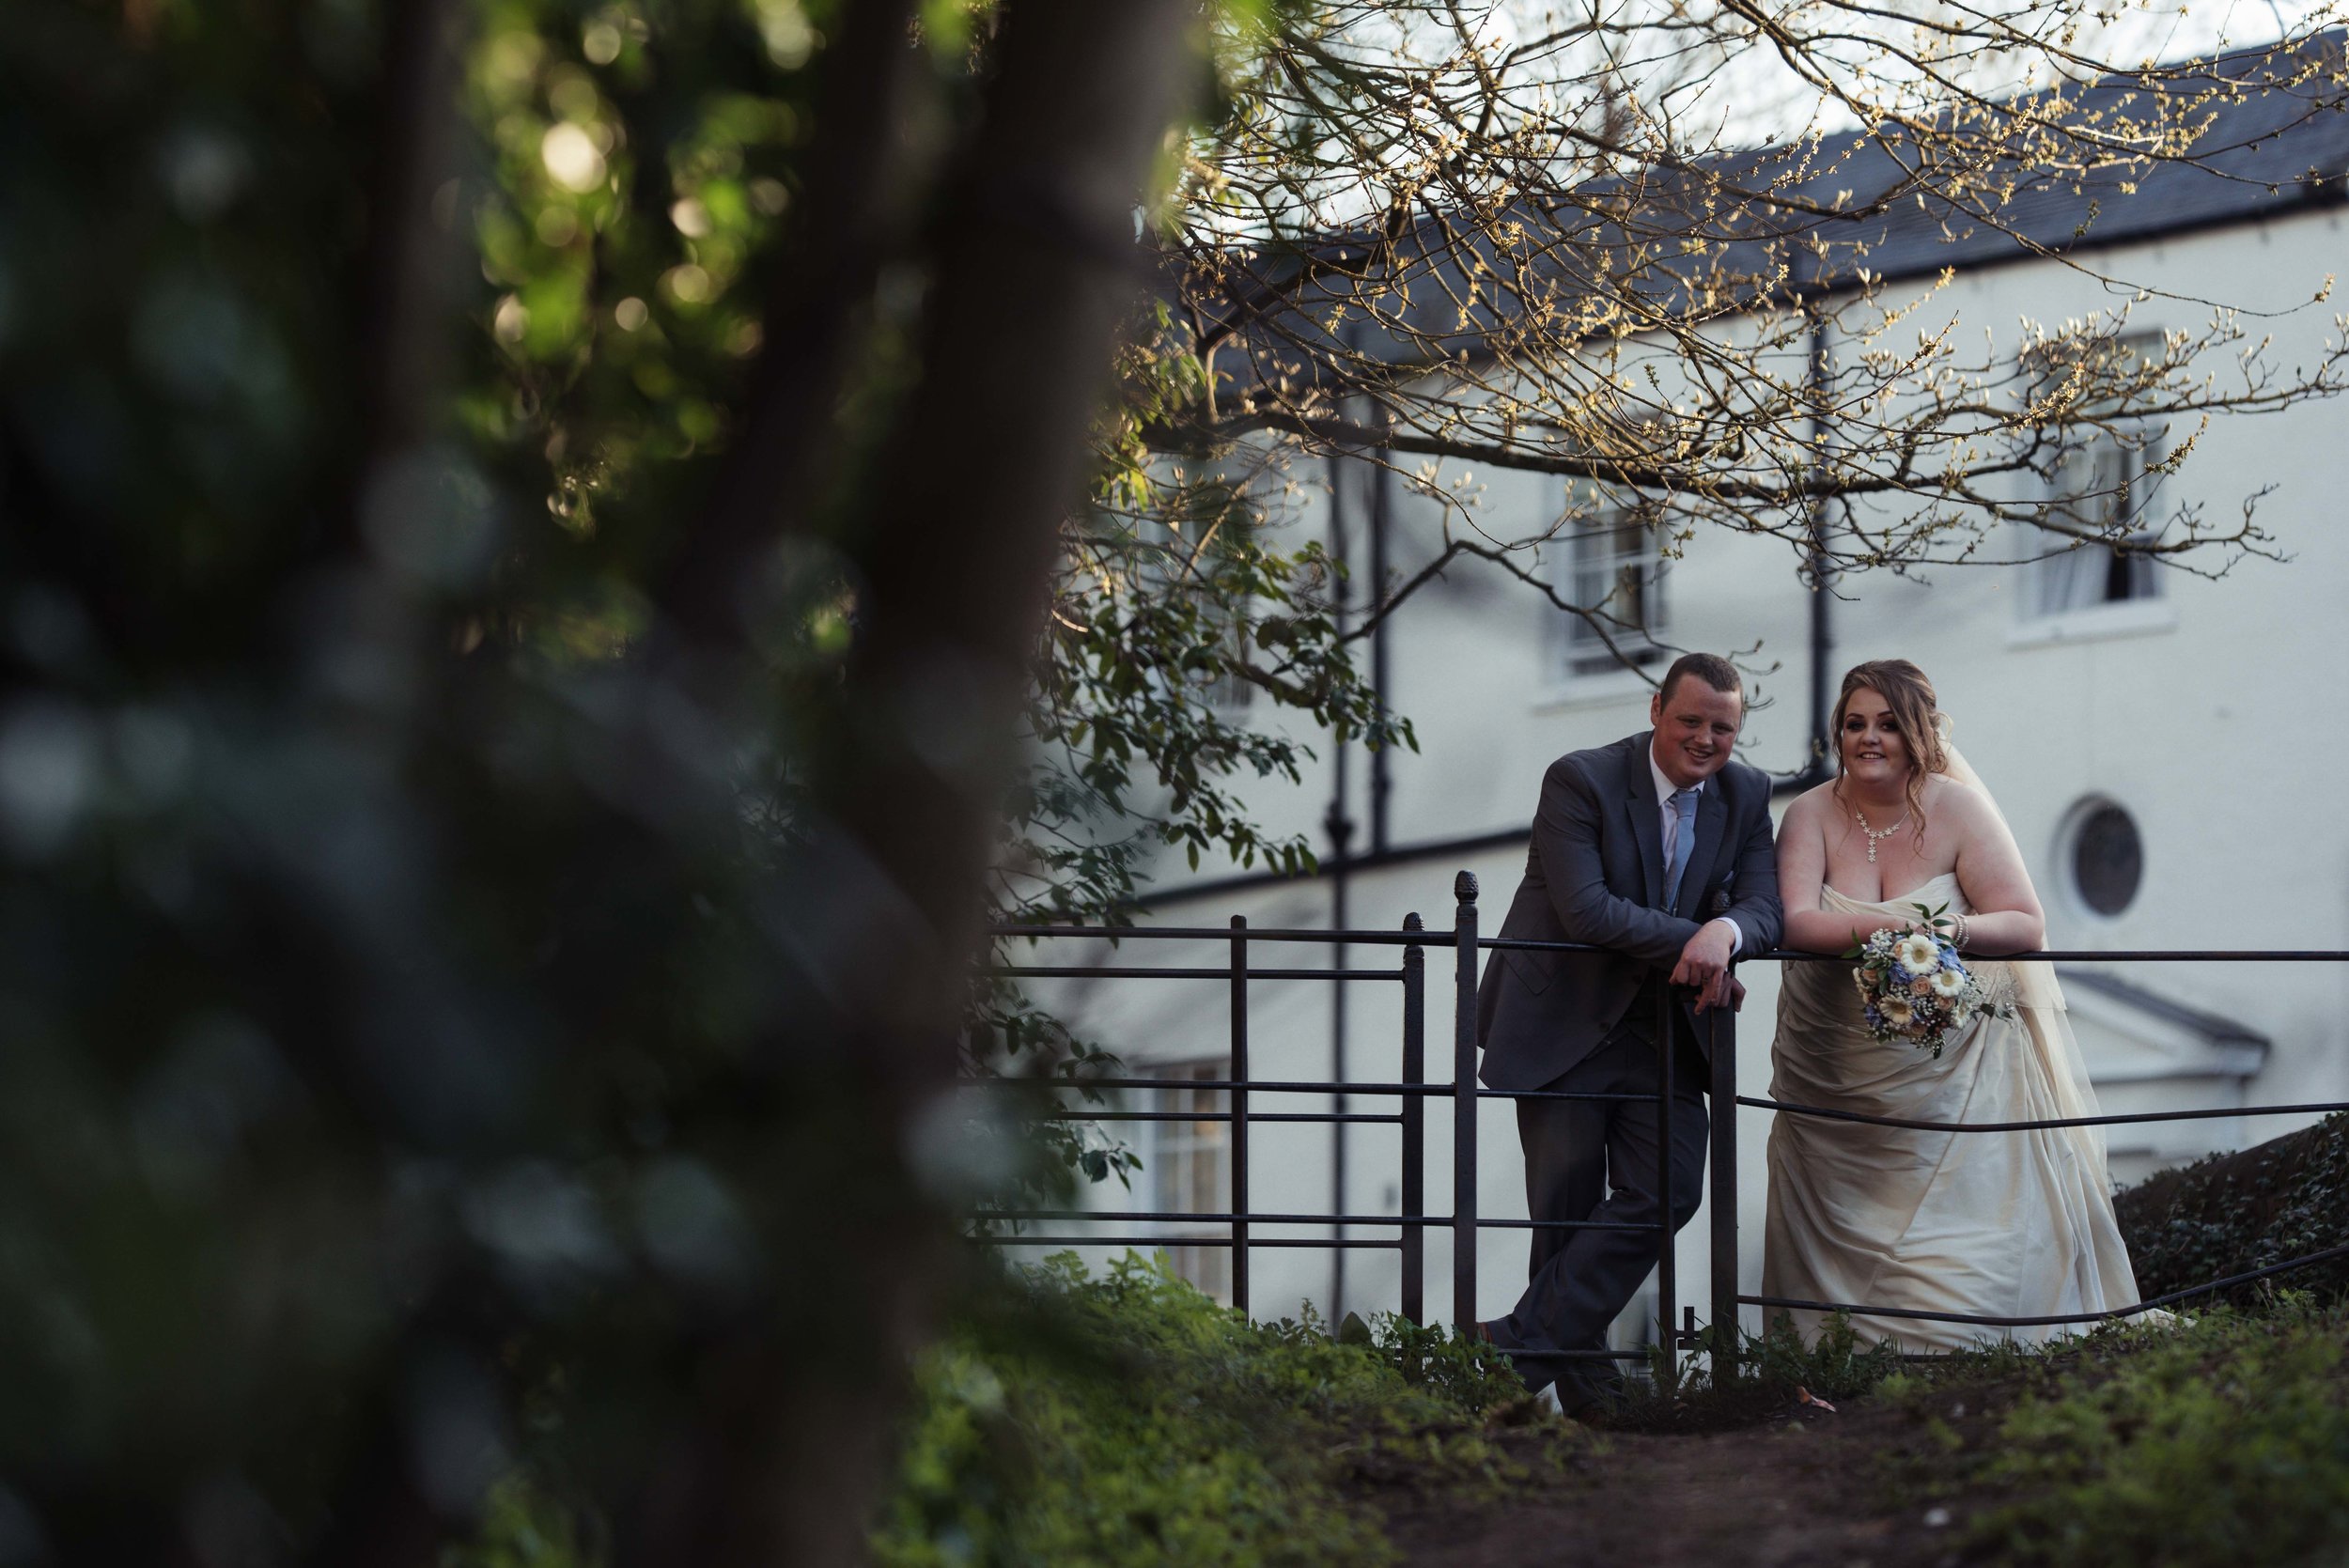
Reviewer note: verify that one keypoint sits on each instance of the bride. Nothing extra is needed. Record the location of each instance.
(1994, 1224)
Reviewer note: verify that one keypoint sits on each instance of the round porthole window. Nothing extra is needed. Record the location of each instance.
(2108, 856)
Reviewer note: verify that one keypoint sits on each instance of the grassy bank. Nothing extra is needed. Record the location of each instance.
(1128, 1422)
(2232, 1213)
(2202, 1445)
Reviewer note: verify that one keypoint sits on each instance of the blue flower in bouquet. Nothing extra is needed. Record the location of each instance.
(1914, 987)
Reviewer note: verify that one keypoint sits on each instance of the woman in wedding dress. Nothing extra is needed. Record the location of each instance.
(2004, 1225)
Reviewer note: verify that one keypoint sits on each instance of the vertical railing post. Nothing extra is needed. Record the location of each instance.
(1239, 1112)
(1414, 1127)
(1667, 1271)
(1725, 1197)
(1464, 1106)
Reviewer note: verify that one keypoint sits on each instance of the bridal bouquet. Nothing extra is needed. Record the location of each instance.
(1913, 985)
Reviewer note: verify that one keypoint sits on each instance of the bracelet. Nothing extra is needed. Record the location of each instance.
(1958, 940)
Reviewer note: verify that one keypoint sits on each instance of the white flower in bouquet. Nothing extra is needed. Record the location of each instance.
(1915, 989)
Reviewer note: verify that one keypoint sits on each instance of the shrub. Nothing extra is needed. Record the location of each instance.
(1128, 1422)
(2231, 1214)
(2206, 1445)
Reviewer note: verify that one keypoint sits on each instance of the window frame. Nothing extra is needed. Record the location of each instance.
(1574, 659)
(1208, 1267)
(2070, 832)
(2051, 606)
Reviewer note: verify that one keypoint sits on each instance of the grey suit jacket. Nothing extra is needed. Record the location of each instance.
(1596, 875)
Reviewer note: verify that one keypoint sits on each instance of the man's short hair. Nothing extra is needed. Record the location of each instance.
(1712, 669)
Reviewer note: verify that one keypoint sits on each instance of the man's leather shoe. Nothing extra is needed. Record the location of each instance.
(1535, 1384)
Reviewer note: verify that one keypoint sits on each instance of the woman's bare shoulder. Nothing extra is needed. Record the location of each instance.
(1961, 801)
(1813, 805)
(1970, 815)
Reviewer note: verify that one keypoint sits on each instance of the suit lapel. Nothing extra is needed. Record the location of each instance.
(1712, 816)
(1640, 800)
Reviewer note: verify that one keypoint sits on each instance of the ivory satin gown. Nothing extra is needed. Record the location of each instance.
(2007, 1224)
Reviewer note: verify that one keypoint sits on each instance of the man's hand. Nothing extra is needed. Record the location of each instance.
(1704, 964)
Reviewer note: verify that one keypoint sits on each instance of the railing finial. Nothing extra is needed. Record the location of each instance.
(1464, 886)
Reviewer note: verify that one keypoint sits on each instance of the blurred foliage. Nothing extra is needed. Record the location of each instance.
(640, 161)
(1129, 1420)
(524, 1527)
(421, 981)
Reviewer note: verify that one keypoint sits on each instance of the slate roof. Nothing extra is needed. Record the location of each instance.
(2271, 152)
(2268, 151)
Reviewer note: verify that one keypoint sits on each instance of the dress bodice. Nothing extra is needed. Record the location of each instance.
(1935, 892)
(1931, 892)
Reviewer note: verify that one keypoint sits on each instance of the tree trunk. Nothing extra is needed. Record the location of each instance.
(1035, 270)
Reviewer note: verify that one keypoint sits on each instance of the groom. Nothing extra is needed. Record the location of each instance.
(1656, 847)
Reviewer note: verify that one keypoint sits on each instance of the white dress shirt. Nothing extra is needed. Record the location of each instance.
(1670, 821)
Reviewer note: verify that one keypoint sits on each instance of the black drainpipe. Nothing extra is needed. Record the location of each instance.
(1380, 492)
(1340, 827)
(1815, 768)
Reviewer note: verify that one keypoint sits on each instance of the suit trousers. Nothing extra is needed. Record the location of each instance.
(1595, 1160)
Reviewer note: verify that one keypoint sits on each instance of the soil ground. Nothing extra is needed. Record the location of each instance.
(1800, 1487)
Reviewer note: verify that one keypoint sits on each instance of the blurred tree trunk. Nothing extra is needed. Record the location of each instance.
(1034, 267)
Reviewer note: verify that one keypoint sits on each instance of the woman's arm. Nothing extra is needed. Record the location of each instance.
(2007, 917)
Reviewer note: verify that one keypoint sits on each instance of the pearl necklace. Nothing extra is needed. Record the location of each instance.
(1872, 834)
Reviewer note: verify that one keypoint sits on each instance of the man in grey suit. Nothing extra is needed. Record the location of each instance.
(1656, 847)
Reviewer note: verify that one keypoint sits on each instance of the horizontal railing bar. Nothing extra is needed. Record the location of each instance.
(1082, 972)
(1251, 1218)
(2327, 1108)
(1521, 944)
(1387, 937)
(2119, 956)
(1562, 1094)
(2314, 1108)
(2049, 955)
(1293, 1086)
(1390, 1117)
(1257, 1086)
(1861, 1311)
(2327, 1255)
(1137, 1216)
(1389, 1244)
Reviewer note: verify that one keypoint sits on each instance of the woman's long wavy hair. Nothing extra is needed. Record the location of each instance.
(1916, 713)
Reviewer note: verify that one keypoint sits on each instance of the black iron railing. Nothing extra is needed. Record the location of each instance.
(1414, 1091)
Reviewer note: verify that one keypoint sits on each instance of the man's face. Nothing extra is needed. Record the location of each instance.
(1696, 729)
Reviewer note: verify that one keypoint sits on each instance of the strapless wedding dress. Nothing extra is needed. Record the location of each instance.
(2006, 1224)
